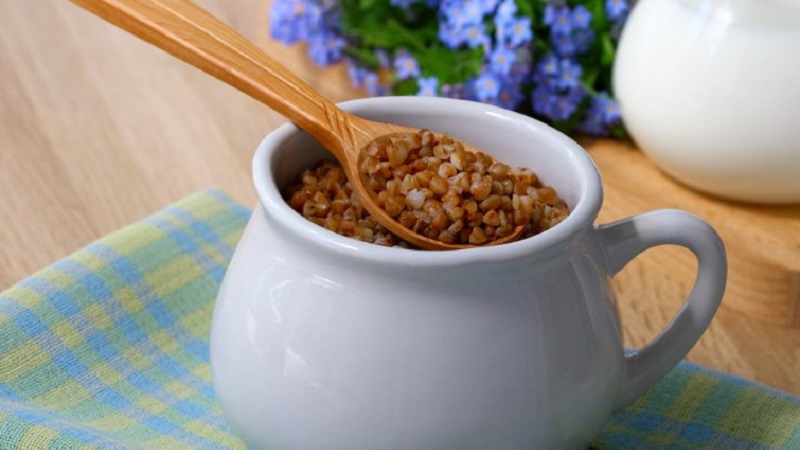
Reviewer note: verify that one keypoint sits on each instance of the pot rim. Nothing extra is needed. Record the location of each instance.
(582, 214)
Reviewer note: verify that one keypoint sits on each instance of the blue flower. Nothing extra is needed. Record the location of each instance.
(558, 91)
(450, 35)
(570, 29)
(550, 12)
(314, 17)
(563, 107)
(501, 60)
(577, 93)
(562, 43)
(548, 66)
(474, 10)
(582, 39)
(602, 114)
(557, 16)
(475, 35)
(331, 18)
(284, 31)
(357, 73)
(362, 77)
(509, 96)
(611, 112)
(286, 20)
(521, 68)
(298, 20)
(616, 9)
(556, 105)
(428, 86)
(325, 48)
(592, 122)
(373, 85)
(542, 100)
(454, 90)
(501, 24)
(576, 41)
(569, 74)
(506, 10)
(581, 17)
(558, 74)
(406, 66)
(486, 87)
(517, 32)
(489, 6)
(382, 56)
(462, 12)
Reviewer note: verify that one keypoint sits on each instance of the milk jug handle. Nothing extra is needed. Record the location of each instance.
(627, 238)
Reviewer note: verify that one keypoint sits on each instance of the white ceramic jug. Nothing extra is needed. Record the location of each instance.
(709, 90)
(324, 342)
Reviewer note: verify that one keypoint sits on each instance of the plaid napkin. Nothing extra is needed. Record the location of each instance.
(108, 349)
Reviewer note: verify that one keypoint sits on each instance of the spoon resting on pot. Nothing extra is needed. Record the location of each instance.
(193, 35)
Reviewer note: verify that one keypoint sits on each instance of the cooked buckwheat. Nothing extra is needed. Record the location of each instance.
(432, 186)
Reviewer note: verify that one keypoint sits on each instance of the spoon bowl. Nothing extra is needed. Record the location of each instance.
(193, 35)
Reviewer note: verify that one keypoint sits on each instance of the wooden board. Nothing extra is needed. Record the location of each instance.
(762, 242)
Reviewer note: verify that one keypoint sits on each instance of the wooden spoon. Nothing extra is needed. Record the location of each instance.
(192, 34)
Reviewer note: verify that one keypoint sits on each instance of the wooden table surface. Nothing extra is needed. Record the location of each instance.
(99, 129)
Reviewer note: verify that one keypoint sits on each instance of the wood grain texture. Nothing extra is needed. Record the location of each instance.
(99, 129)
(190, 33)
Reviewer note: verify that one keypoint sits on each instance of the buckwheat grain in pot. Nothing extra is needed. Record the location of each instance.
(432, 186)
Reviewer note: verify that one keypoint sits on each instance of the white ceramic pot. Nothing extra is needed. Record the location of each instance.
(709, 91)
(322, 342)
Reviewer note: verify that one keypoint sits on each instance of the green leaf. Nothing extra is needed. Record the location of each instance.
(619, 131)
(597, 9)
(589, 78)
(450, 66)
(608, 51)
(563, 126)
(364, 56)
(525, 7)
(405, 87)
(366, 4)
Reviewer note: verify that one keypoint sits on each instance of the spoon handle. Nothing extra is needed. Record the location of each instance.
(192, 34)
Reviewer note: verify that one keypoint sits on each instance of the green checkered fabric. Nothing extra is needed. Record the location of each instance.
(108, 349)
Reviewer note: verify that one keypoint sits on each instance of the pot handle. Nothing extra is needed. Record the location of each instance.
(626, 239)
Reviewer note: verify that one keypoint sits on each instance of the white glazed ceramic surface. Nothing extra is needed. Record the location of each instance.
(323, 342)
(708, 89)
